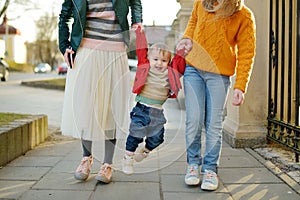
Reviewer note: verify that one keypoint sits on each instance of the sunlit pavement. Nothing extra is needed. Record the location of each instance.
(47, 171)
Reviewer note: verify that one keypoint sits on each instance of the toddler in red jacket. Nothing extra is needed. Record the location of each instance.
(156, 80)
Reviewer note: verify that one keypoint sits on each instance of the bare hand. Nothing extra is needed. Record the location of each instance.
(66, 56)
(238, 97)
(136, 25)
(185, 44)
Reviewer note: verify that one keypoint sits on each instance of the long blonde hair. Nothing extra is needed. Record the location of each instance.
(223, 8)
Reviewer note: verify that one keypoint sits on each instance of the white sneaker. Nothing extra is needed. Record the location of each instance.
(192, 175)
(141, 154)
(127, 164)
(210, 180)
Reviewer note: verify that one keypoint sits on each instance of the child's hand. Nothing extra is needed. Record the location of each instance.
(136, 26)
(238, 97)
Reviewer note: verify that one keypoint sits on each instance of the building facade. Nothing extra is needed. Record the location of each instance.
(14, 48)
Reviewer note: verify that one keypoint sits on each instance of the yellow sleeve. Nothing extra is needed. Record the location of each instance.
(246, 44)
(189, 31)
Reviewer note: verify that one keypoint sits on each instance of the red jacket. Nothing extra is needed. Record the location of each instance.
(175, 68)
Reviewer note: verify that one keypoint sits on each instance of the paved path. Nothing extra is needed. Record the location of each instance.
(47, 173)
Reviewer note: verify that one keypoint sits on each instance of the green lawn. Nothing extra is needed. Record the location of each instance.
(6, 118)
(54, 82)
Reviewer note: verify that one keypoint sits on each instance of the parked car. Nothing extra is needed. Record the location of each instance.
(42, 68)
(132, 63)
(4, 73)
(62, 68)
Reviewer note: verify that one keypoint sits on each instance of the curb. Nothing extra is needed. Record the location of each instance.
(22, 135)
(41, 84)
(275, 170)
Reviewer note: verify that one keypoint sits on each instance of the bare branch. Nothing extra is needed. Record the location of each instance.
(4, 8)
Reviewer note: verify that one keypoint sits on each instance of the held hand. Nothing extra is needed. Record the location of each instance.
(238, 97)
(136, 25)
(185, 44)
(67, 56)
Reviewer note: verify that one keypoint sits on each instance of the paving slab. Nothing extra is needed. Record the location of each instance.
(262, 191)
(247, 175)
(152, 176)
(229, 151)
(239, 161)
(56, 195)
(177, 167)
(56, 149)
(196, 196)
(129, 190)
(64, 181)
(175, 183)
(23, 173)
(35, 161)
(69, 166)
(14, 189)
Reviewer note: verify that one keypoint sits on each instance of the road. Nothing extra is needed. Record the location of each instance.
(17, 98)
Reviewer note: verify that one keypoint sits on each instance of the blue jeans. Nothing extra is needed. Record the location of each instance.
(205, 98)
(145, 122)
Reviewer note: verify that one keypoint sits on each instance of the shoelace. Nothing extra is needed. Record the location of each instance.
(192, 170)
(84, 165)
(104, 169)
(209, 176)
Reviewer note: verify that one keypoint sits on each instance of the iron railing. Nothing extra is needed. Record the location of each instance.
(284, 69)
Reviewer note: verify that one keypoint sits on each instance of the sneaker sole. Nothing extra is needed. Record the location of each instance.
(102, 179)
(80, 177)
(210, 188)
(193, 181)
(128, 173)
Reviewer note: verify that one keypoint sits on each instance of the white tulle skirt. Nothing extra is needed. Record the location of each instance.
(97, 96)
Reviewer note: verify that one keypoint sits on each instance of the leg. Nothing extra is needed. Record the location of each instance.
(155, 140)
(109, 150)
(105, 173)
(216, 95)
(131, 145)
(194, 89)
(155, 133)
(139, 121)
(84, 168)
(86, 147)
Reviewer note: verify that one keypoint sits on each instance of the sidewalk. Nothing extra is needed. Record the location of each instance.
(47, 173)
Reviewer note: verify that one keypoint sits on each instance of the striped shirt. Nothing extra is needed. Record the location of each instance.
(102, 28)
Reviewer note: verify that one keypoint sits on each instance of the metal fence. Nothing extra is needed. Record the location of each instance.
(284, 74)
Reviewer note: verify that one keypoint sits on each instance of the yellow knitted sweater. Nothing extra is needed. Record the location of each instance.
(224, 46)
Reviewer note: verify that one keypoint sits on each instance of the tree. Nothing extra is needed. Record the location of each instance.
(4, 7)
(27, 5)
(46, 42)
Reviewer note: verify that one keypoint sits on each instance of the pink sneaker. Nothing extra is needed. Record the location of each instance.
(84, 168)
(105, 173)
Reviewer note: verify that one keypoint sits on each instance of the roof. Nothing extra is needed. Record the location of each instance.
(10, 29)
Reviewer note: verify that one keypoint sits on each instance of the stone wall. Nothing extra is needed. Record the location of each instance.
(20, 136)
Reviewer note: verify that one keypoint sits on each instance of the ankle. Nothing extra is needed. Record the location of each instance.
(129, 153)
(146, 150)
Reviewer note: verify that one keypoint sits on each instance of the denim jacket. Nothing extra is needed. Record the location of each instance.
(77, 9)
